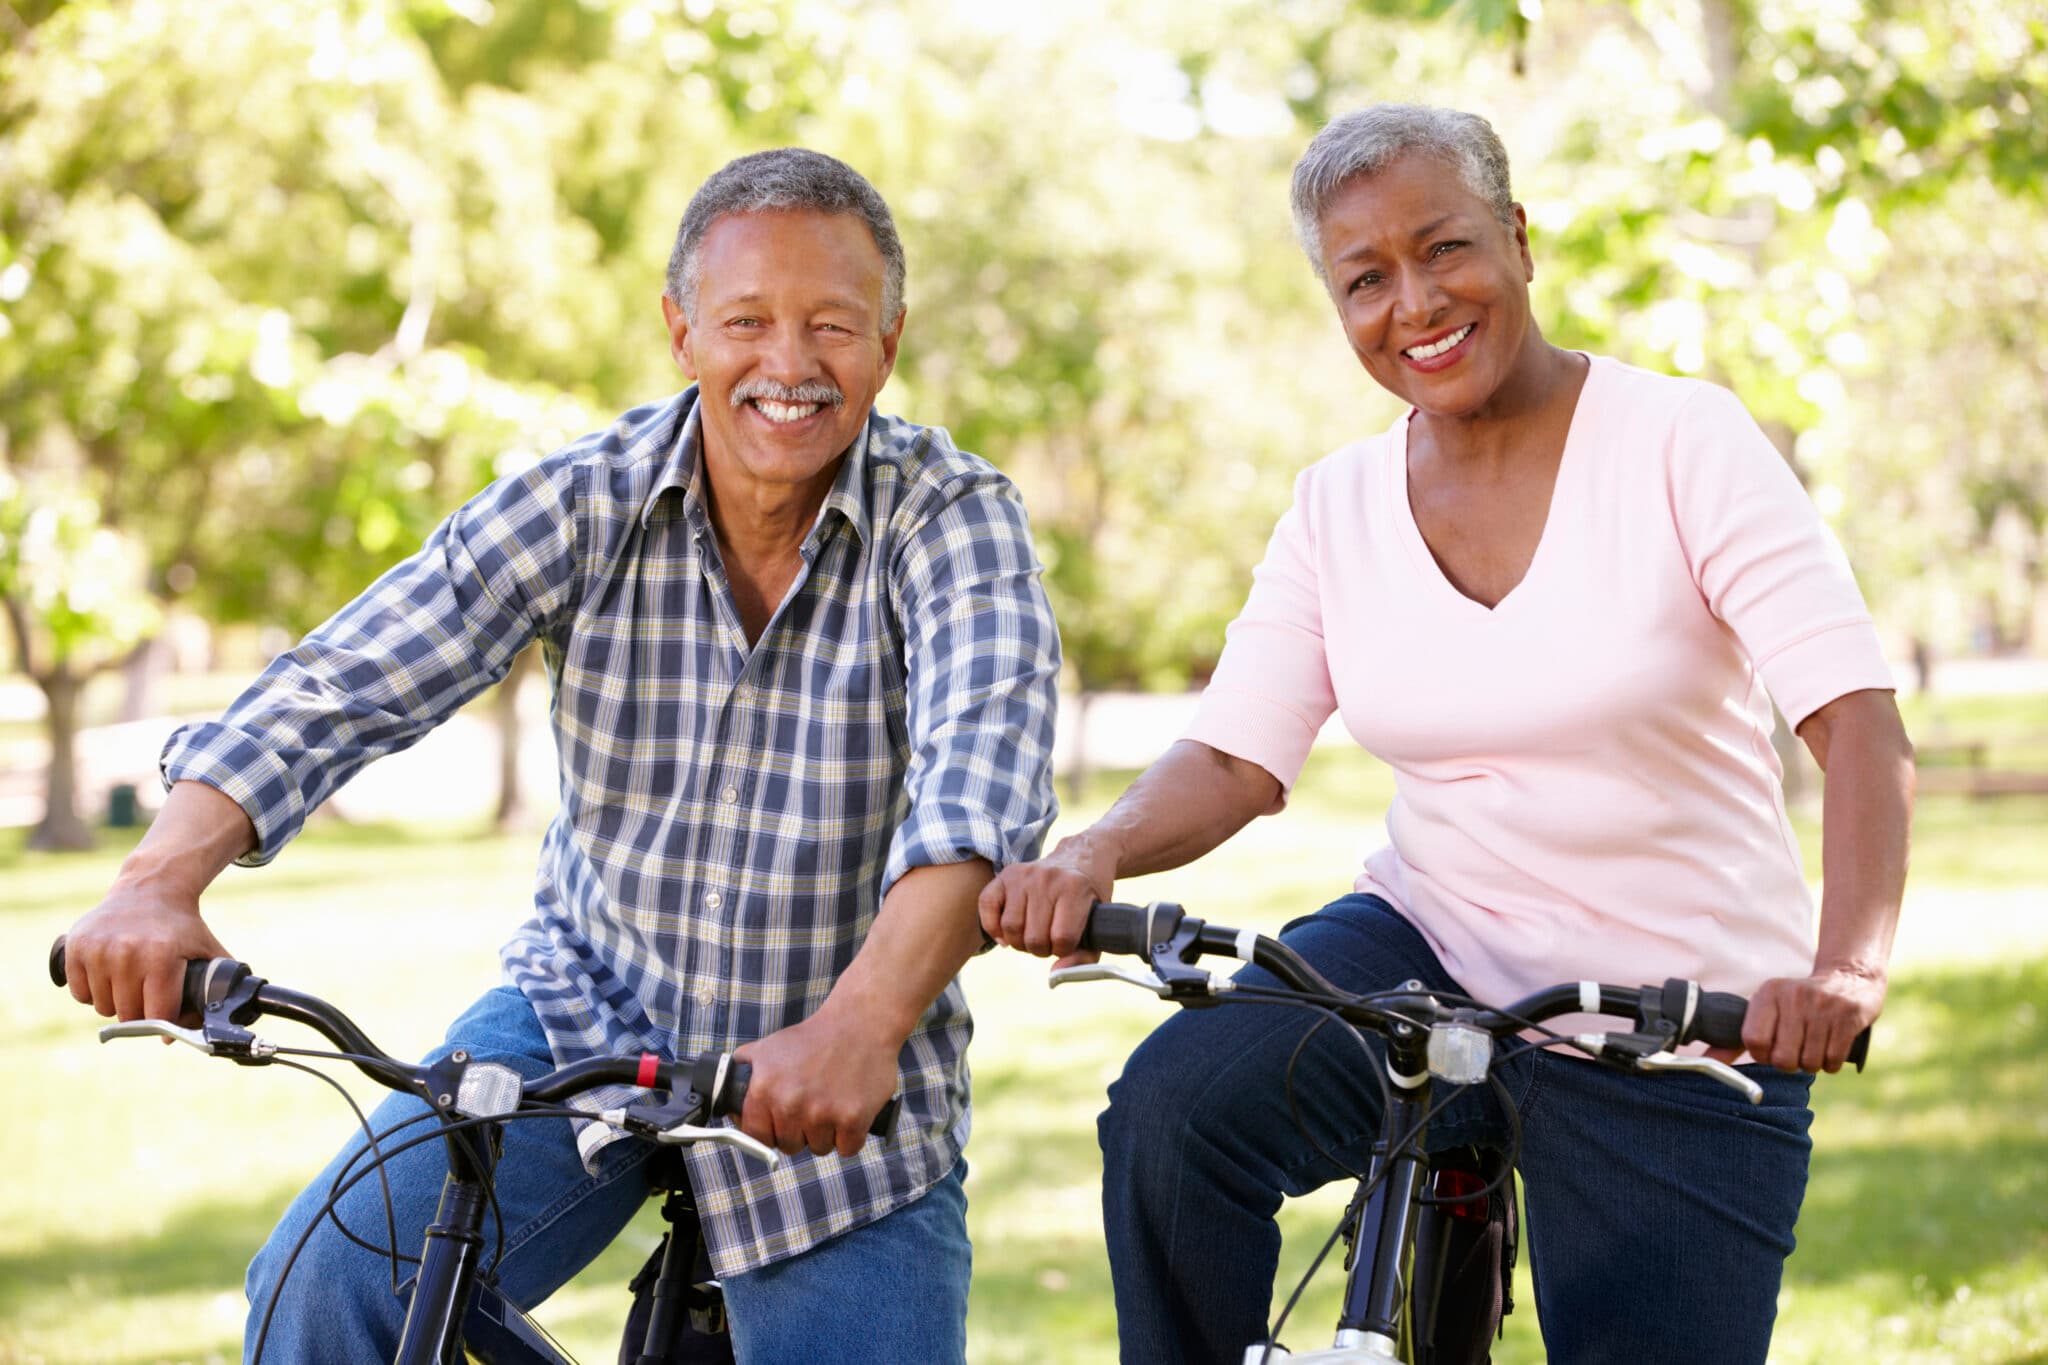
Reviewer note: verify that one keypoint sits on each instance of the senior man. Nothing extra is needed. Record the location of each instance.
(804, 686)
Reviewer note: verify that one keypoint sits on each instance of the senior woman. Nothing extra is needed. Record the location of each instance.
(1557, 597)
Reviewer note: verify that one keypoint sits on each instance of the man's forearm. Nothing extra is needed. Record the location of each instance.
(924, 933)
(195, 836)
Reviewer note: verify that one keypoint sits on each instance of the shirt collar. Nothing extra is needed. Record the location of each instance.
(683, 471)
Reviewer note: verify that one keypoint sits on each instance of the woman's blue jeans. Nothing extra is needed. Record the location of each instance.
(847, 1299)
(1659, 1208)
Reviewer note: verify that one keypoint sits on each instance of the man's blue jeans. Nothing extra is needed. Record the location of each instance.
(847, 1299)
(1659, 1209)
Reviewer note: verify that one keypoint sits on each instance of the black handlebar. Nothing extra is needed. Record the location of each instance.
(1714, 1017)
(1114, 927)
(725, 1088)
(1717, 1020)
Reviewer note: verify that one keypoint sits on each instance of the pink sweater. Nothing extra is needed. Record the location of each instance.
(1585, 785)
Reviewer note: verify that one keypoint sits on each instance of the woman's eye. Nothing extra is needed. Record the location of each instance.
(1369, 278)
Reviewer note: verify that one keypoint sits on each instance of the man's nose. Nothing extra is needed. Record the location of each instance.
(792, 356)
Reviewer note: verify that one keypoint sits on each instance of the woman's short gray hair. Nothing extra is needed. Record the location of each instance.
(1364, 141)
(786, 178)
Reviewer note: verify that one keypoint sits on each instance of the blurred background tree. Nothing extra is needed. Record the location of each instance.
(281, 281)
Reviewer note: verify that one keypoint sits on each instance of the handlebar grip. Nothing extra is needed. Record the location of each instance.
(1114, 927)
(732, 1097)
(191, 999)
(1718, 1020)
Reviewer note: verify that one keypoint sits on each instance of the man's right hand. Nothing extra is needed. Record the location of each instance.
(127, 957)
(1042, 907)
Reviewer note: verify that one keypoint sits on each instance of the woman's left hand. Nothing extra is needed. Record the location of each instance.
(1808, 1023)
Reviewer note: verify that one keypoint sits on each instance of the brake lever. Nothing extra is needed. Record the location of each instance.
(683, 1134)
(157, 1028)
(1705, 1066)
(1109, 971)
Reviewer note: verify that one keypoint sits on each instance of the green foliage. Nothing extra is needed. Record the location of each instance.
(297, 276)
(74, 584)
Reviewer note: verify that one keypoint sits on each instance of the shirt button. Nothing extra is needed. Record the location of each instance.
(730, 795)
(713, 900)
(707, 997)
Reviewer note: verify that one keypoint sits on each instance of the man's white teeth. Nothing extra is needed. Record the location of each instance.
(1438, 348)
(785, 412)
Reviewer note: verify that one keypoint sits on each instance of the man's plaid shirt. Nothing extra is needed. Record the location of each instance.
(730, 815)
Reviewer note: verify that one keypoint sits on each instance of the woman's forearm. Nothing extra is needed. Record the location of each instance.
(1189, 801)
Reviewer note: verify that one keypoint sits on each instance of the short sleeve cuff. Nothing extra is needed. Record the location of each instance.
(1831, 662)
(1254, 728)
(252, 777)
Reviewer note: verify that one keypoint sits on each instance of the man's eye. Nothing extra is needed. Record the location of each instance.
(1441, 247)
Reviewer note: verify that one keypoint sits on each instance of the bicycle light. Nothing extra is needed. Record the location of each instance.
(488, 1090)
(1459, 1052)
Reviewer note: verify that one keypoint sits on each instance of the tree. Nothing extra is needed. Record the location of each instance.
(71, 589)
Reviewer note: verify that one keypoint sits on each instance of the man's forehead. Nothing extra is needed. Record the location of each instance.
(742, 223)
(748, 255)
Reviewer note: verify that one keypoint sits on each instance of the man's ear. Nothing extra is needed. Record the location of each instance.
(892, 337)
(678, 324)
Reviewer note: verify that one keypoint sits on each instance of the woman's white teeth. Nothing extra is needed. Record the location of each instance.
(785, 412)
(1439, 347)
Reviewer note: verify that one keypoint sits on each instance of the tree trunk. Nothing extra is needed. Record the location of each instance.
(61, 827)
(140, 673)
(512, 812)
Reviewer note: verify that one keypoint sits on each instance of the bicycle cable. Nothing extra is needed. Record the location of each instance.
(334, 1196)
(1370, 1185)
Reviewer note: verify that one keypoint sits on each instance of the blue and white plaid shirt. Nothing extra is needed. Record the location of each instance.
(731, 816)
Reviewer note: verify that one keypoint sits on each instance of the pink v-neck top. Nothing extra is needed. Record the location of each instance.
(1584, 781)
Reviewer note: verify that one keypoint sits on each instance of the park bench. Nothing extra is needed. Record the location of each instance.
(1962, 767)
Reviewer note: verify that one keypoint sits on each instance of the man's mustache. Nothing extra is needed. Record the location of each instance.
(811, 391)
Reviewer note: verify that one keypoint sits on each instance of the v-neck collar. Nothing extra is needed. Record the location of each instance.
(1411, 532)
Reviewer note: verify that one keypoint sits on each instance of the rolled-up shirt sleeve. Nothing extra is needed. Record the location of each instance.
(1766, 563)
(419, 642)
(1271, 691)
(982, 662)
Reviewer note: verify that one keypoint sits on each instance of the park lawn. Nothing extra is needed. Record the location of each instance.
(138, 1178)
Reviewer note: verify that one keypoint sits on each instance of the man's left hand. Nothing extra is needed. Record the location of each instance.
(817, 1085)
(1808, 1023)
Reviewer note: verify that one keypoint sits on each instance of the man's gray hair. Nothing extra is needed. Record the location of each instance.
(1364, 141)
(786, 178)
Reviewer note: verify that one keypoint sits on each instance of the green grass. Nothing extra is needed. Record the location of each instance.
(139, 1178)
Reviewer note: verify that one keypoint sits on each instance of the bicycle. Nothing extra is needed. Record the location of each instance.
(455, 1313)
(1399, 1224)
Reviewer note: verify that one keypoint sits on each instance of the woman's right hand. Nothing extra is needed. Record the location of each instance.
(1042, 907)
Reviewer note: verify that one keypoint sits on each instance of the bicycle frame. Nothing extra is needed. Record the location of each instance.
(1384, 1233)
(1389, 1301)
